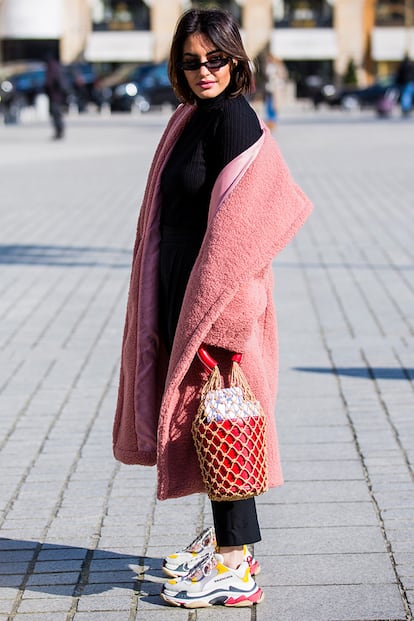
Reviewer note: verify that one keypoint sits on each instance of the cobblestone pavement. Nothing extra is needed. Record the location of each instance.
(83, 536)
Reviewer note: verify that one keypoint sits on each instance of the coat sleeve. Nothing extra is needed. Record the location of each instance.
(242, 315)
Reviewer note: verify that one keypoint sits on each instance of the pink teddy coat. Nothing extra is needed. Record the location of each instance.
(255, 210)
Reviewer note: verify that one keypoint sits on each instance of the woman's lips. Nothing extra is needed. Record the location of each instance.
(205, 84)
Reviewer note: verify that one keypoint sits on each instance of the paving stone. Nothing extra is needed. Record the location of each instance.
(118, 615)
(299, 453)
(328, 540)
(314, 569)
(111, 564)
(317, 515)
(53, 579)
(317, 491)
(104, 602)
(49, 591)
(321, 435)
(9, 593)
(114, 588)
(333, 603)
(323, 471)
(6, 606)
(109, 576)
(42, 616)
(13, 568)
(61, 566)
(42, 604)
(61, 553)
(10, 581)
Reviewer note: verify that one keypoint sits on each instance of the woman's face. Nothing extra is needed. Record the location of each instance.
(205, 83)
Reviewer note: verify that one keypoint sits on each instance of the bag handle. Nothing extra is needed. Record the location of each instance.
(209, 362)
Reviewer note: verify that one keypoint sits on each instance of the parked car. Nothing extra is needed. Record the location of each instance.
(22, 81)
(368, 97)
(350, 98)
(140, 89)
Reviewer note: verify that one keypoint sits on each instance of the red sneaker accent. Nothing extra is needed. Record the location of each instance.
(254, 598)
(254, 566)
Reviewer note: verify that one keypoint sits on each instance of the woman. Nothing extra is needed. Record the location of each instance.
(218, 206)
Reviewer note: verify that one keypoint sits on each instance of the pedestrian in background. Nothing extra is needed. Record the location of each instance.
(219, 205)
(57, 91)
(404, 79)
(275, 75)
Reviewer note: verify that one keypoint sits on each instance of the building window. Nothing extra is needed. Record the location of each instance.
(303, 13)
(391, 12)
(115, 15)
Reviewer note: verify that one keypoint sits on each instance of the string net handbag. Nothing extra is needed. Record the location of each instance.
(229, 434)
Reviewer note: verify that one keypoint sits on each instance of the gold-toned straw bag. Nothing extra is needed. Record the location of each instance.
(229, 433)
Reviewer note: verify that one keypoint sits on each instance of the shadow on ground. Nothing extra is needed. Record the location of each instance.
(66, 570)
(64, 256)
(385, 373)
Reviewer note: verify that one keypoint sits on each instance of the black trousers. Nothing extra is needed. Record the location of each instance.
(235, 522)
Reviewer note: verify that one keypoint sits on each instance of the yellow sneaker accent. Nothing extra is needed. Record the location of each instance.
(221, 569)
(246, 575)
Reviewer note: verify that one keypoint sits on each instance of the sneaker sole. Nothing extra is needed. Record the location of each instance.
(225, 600)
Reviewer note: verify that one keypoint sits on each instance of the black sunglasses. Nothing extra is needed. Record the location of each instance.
(213, 63)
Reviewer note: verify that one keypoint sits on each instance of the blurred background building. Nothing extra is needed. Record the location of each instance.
(337, 40)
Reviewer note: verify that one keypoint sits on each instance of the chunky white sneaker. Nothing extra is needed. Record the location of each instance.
(180, 563)
(210, 582)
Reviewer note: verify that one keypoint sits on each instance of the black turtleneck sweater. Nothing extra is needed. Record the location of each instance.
(219, 130)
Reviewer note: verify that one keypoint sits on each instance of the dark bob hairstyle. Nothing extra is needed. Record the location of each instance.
(221, 28)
